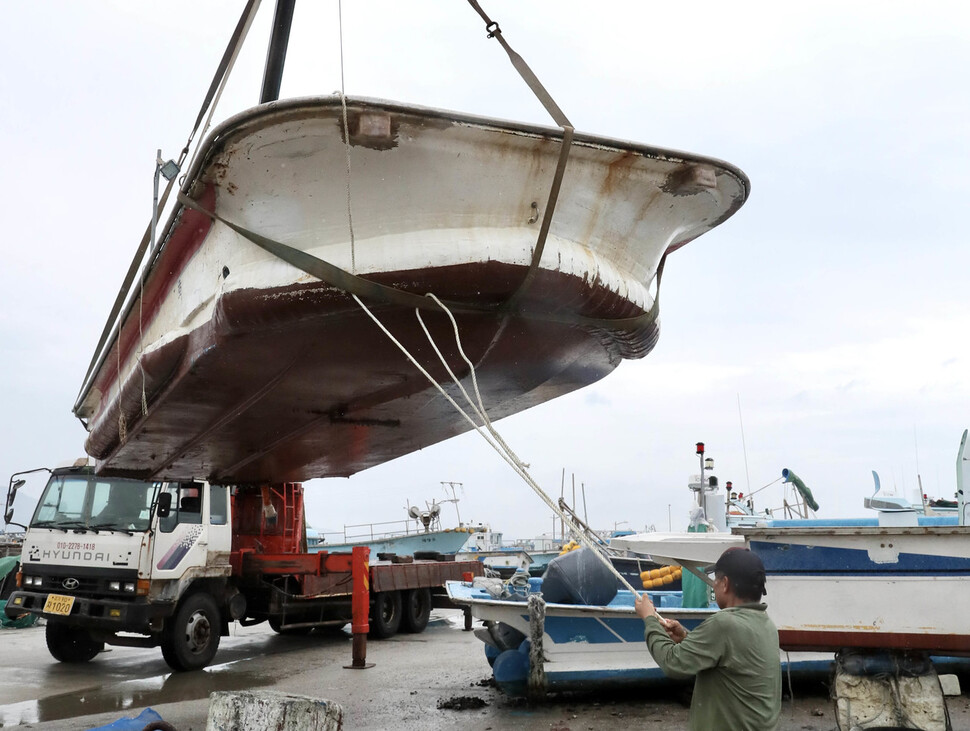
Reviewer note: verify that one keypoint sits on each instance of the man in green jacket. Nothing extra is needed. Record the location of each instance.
(733, 654)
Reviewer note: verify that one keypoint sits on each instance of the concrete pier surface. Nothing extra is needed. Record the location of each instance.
(438, 679)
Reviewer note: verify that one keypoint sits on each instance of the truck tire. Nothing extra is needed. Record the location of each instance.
(191, 637)
(385, 616)
(417, 609)
(71, 644)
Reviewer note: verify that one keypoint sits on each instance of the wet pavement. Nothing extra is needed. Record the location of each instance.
(435, 680)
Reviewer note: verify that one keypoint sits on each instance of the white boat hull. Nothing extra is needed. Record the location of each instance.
(878, 587)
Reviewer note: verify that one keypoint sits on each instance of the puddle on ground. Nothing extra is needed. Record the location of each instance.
(129, 694)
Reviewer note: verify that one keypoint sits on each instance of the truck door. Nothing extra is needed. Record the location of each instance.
(182, 538)
(220, 527)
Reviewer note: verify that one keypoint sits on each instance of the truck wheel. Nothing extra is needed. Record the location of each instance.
(417, 609)
(71, 644)
(190, 639)
(385, 616)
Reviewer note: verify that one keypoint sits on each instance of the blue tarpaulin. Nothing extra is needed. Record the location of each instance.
(136, 723)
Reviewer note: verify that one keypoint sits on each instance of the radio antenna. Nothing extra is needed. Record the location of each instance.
(744, 449)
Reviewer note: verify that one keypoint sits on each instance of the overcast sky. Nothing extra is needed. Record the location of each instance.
(829, 316)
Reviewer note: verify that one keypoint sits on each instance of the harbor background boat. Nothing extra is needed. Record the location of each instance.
(422, 532)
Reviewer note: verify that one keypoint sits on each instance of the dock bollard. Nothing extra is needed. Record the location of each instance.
(244, 709)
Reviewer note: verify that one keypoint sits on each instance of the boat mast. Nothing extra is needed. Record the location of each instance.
(276, 53)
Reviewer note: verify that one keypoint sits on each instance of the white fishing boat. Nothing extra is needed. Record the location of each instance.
(896, 584)
(582, 647)
(580, 644)
(248, 348)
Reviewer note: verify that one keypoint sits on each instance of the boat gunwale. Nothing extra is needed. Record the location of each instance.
(849, 531)
(624, 611)
(240, 121)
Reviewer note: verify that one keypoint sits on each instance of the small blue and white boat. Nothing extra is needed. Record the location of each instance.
(536, 647)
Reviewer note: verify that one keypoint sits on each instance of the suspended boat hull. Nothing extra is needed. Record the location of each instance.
(234, 364)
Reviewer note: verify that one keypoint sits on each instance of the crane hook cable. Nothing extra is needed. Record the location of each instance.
(545, 98)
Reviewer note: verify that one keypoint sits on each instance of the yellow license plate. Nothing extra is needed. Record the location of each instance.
(59, 604)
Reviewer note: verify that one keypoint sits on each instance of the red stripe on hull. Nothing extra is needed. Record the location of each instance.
(829, 641)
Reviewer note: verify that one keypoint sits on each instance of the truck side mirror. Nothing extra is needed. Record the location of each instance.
(11, 494)
(164, 505)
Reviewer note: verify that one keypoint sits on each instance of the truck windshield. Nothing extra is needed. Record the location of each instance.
(86, 501)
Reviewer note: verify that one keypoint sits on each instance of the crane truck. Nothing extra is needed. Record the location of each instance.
(122, 561)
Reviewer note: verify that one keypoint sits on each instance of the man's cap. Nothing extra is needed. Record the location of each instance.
(742, 567)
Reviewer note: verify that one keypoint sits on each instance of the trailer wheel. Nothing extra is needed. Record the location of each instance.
(191, 638)
(71, 644)
(385, 616)
(417, 609)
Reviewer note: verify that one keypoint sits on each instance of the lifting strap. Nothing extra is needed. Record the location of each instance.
(523, 68)
(494, 31)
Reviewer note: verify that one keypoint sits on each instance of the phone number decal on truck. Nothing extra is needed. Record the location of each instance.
(76, 546)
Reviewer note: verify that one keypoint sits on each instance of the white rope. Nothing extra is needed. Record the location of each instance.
(492, 437)
(343, 104)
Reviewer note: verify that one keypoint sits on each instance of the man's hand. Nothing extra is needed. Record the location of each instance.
(644, 607)
(675, 630)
